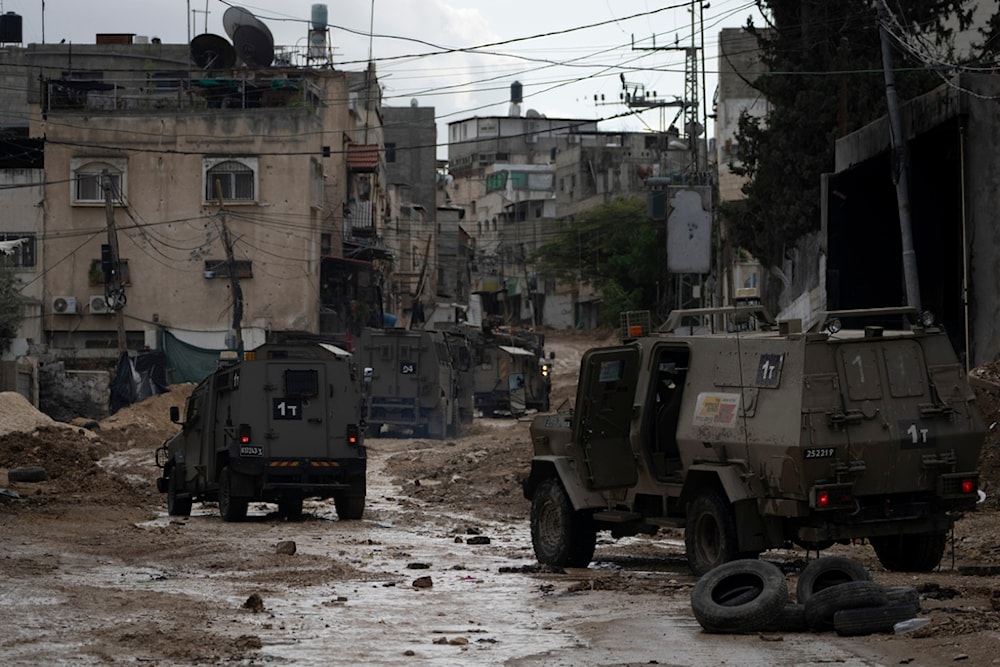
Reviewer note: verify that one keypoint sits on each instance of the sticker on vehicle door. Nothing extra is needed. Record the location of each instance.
(286, 408)
(716, 409)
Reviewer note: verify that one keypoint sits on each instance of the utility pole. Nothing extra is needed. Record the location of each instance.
(234, 279)
(899, 172)
(114, 291)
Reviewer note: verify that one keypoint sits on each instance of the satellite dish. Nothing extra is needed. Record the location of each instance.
(212, 52)
(254, 47)
(252, 39)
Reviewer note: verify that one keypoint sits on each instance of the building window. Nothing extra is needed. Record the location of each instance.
(219, 268)
(96, 275)
(17, 250)
(237, 179)
(390, 152)
(87, 180)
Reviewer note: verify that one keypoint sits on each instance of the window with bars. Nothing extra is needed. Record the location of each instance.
(88, 176)
(22, 250)
(237, 179)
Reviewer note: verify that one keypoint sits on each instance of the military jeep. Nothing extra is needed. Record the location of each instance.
(281, 425)
(753, 435)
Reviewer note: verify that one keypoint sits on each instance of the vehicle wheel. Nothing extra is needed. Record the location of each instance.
(828, 571)
(560, 535)
(230, 508)
(721, 604)
(290, 507)
(27, 474)
(176, 506)
(791, 619)
(350, 504)
(910, 553)
(823, 604)
(710, 534)
(872, 620)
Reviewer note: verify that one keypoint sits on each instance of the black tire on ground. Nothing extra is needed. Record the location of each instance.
(176, 505)
(720, 603)
(710, 533)
(230, 508)
(910, 553)
(791, 619)
(560, 534)
(823, 604)
(27, 474)
(872, 620)
(902, 595)
(290, 507)
(828, 571)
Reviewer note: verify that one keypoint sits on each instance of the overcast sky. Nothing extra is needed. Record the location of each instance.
(563, 53)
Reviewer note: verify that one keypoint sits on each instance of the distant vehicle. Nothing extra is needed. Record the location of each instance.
(759, 435)
(512, 374)
(419, 381)
(280, 426)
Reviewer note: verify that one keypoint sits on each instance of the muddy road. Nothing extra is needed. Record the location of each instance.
(440, 570)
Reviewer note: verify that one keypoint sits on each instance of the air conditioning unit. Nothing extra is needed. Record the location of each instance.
(99, 305)
(64, 305)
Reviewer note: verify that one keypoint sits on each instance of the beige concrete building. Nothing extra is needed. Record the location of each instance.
(265, 183)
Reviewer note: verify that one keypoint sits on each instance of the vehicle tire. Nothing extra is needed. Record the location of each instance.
(350, 504)
(791, 619)
(27, 474)
(176, 506)
(230, 508)
(828, 571)
(910, 553)
(823, 604)
(720, 602)
(902, 595)
(872, 620)
(560, 534)
(710, 533)
(290, 507)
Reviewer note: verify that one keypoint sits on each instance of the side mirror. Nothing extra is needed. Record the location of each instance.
(552, 355)
(175, 414)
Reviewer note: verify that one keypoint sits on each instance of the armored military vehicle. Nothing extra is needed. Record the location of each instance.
(282, 425)
(752, 435)
(512, 374)
(416, 380)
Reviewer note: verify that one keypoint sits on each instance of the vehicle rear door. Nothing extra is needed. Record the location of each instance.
(604, 407)
(297, 416)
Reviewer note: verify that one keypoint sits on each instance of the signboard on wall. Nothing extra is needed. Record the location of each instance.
(689, 230)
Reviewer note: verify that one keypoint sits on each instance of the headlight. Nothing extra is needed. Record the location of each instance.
(927, 318)
(833, 325)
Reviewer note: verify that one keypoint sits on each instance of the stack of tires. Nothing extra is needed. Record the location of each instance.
(832, 593)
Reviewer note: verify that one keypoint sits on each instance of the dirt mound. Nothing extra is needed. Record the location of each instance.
(93, 460)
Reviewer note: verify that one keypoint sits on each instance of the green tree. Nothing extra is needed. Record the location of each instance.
(614, 247)
(824, 80)
(11, 305)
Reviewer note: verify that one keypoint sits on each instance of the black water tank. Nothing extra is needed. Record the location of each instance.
(515, 92)
(10, 28)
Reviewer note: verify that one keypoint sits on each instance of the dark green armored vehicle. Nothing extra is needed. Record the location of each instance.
(282, 425)
(760, 435)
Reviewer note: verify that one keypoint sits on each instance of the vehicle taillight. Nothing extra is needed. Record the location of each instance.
(352, 435)
(823, 499)
(244, 434)
(968, 486)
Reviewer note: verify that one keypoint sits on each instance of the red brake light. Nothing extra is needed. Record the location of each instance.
(352, 435)
(968, 486)
(823, 499)
(244, 434)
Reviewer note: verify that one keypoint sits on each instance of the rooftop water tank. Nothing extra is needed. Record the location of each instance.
(319, 17)
(10, 28)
